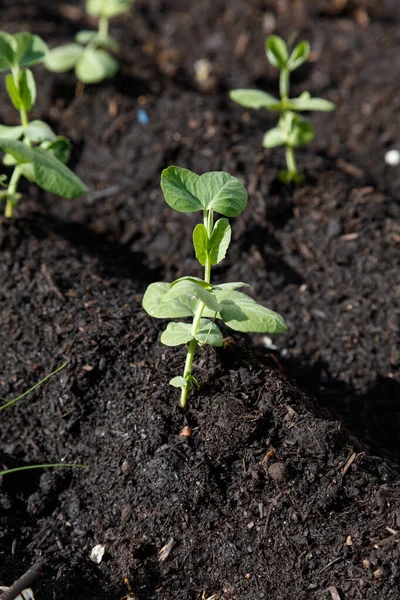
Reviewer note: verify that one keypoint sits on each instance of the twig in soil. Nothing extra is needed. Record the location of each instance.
(350, 461)
(392, 538)
(23, 582)
(334, 593)
(335, 560)
(165, 550)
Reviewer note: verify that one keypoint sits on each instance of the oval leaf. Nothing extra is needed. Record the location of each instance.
(196, 280)
(63, 58)
(107, 8)
(276, 51)
(6, 51)
(53, 176)
(307, 103)
(209, 333)
(274, 137)
(60, 147)
(299, 55)
(191, 290)
(38, 131)
(13, 92)
(177, 334)
(200, 243)
(242, 313)
(30, 49)
(27, 89)
(220, 240)
(254, 99)
(179, 382)
(95, 65)
(221, 192)
(178, 187)
(18, 150)
(302, 132)
(175, 309)
(11, 133)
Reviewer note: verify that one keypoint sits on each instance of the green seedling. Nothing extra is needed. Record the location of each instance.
(293, 129)
(204, 302)
(32, 148)
(8, 403)
(89, 55)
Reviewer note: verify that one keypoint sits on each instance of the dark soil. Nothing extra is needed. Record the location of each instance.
(274, 495)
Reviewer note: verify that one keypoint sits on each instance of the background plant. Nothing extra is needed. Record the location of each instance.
(8, 403)
(293, 129)
(41, 155)
(214, 192)
(89, 55)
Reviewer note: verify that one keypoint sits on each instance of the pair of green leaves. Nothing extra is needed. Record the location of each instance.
(278, 53)
(23, 93)
(42, 165)
(91, 64)
(258, 99)
(296, 132)
(237, 310)
(20, 50)
(107, 8)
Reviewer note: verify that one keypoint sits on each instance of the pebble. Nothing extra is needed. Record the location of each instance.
(392, 158)
(278, 471)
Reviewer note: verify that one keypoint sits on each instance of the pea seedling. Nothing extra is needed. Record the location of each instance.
(219, 192)
(43, 164)
(8, 403)
(293, 130)
(89, 54)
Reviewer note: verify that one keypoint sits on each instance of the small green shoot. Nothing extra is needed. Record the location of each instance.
(89, 54)
(10, 403)
(293, 129)
(41, 155)
(215, 192)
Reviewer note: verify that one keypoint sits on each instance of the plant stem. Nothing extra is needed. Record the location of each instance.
(12, 190)
(208, 223)
(30, 467)
(290, 159)
(284, 84)
(103, 27)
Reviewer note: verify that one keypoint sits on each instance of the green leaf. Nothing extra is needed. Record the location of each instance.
(276, 51)
(191, 290)
(28, 171)
(274, 137)
(11, 133)
(30, 49)
(221, 192)
(305, 102)
(242, 313)
(289, 177)
(87, 36)
(200, 243)
(178, 186)
(220, 240)
(52, 175)
(299, 55)
(254, 99)
(27, 89)
(13, 92)
(38, 131)
(196, 280)
(95, 65)
(60, 147)
(175, 309)
(6, 51)
(63, 58)
(209, 333)
(179, 382)
(18, 150)
(302, 132)
(177, 334)
(107, 8)
(231, 286)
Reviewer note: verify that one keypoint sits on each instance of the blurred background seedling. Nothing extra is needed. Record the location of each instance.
(293, 129)
(90, 54)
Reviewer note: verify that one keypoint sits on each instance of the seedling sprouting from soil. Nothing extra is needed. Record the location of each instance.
(41, 155)
(293, 129)
(8, 403)
(89, 55)
(215, 192)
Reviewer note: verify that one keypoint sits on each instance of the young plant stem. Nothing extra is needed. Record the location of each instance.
(30, 467)
(103, 27)
(290, 160)
(12, 191)
(187, 373)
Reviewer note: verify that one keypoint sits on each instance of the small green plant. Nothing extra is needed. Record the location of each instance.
(41, 155)
(215, 192)
(293, 130)
(89, 54)
(8, 403)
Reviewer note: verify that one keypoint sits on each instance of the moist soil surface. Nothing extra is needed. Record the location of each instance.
(288, 486)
